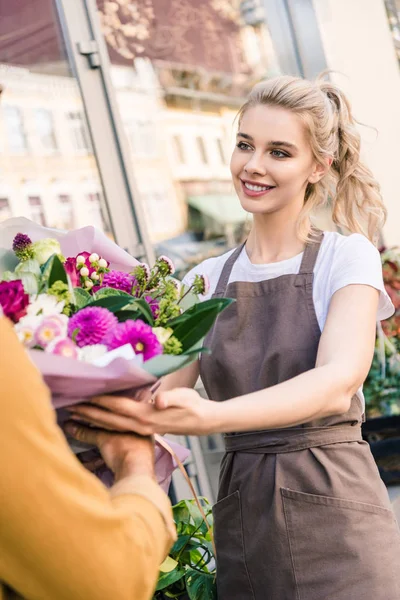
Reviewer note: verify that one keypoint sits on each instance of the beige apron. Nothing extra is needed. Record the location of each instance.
(302, 513)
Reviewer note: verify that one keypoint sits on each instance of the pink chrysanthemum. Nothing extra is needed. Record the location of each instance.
(139, 335)
(90, 325)
(119, 281)
(63, 347)
(49, 329)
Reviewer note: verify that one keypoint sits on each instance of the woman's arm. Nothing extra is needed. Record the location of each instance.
(344, 358)
(186, 377)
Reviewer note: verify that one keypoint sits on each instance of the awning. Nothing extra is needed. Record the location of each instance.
(226, 210)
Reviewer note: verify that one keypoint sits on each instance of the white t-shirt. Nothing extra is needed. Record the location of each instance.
(342, 260)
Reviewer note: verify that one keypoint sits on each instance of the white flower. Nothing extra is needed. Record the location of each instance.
(94, 257)
(43, 249)
(80, 260)
(89, 284)
(25, 329)
(103, 263)
(162, 334)
(84, 271)
(95, 276)
(45, 305)
(90, 353)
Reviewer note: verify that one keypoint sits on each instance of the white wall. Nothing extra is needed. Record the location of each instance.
(358, 43)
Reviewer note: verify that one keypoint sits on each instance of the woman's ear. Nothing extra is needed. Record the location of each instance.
(320, 169)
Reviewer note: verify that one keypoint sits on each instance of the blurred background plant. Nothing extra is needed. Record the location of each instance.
(382, 387)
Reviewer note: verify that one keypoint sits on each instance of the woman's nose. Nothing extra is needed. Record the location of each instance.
(255, 165)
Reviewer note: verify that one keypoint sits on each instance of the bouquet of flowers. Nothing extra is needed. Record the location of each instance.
(93, 319)
(382, 387)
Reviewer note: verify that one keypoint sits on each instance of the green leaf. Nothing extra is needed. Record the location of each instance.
(145, 309)
(127, 314)
(113, 303)
(167, 579)
(201, 585)
(105, 292)
(189, 300)
(198, 308)
(52, 271)
(181, 512)
(81, 297)
(199, 321)
(164, 364)
(168, 565)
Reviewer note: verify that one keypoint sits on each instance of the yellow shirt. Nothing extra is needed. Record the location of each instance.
(63, 535)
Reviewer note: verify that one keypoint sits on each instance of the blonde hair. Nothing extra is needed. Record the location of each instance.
(348, 185)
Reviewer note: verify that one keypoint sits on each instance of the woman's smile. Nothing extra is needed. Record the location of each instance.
(255, 189)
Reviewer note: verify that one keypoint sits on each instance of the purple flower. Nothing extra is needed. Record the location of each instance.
(22, 246)
(72, 271)
(154, 305)
(13, 299)
(90, 325)
(119, 281)
(139, 335)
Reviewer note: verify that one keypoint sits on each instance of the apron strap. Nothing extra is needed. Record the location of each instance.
(307, 264)
(227, 270)
(311, 254)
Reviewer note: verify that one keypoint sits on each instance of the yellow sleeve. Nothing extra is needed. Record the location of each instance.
(63, 536)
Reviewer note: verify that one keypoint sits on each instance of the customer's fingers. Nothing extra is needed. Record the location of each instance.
(81, 433)
(101, 418)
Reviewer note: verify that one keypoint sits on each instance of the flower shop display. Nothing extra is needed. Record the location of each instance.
(382, 387)
(93, 319)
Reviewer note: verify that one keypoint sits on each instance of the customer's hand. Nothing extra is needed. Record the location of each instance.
(124, 453)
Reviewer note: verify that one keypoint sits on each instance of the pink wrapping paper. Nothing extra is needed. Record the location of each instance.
(72, 381)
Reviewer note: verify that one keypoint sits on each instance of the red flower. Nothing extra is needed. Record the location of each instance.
(13, 299)
(72, 271)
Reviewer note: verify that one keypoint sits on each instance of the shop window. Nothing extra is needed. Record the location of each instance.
(45, 129)
(15, 129)
(5, 211)
(142, 138)
(221, 151)
(178, 149)
(36, 210)
(66, 212)
(79, 134)
(202, 150)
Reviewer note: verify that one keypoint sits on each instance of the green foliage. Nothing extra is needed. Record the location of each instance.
(382, 386)
(81, 298)
(189, 570)
(193, 325)
(52, 271)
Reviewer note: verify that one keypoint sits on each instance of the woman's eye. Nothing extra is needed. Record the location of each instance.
(243, 146)
(279, 154)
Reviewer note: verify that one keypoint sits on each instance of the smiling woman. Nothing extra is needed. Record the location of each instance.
(301, 511)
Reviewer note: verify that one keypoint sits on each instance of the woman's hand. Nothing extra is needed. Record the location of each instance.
(124, 453)
(181, 411)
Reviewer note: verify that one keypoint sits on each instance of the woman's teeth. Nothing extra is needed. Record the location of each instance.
(257, 188)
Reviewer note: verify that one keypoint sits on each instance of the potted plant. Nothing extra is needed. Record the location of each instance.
(188, 573)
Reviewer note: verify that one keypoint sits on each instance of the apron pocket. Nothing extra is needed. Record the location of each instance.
(233, 579)
(342, 549)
